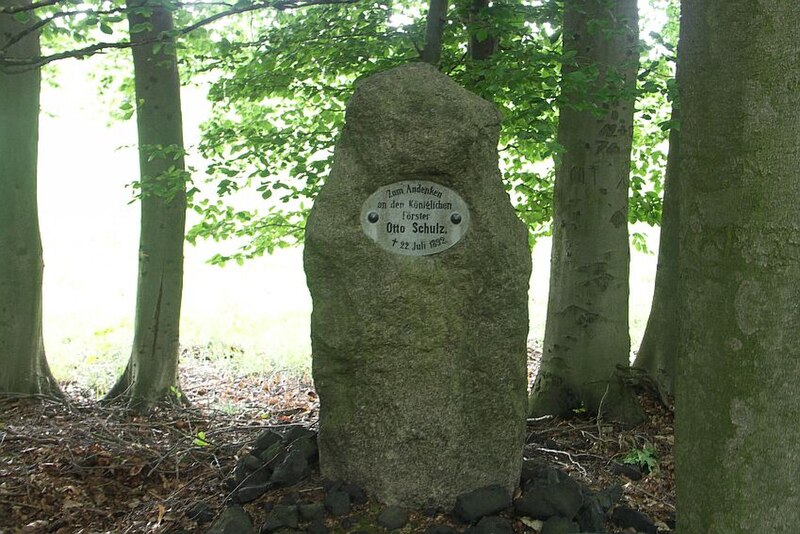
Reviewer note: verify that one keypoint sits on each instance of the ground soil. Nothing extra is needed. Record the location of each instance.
(88, 468)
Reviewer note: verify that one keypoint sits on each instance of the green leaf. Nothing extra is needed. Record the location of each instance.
(142, 27)
(105, 28)
(200, 440)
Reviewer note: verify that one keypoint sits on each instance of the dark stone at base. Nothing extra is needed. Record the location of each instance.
(609, 496)
(265, 440)
(292, 470)
(441, 529)
(357, 494)
(312, 512)
(531, 470)
(625, 516)
(290, 498)
(200, 512)
(481, 502)
(337, 503)
(560, 525)
(331, 485)
(229, 484)
(626, 470)
(347, 523)
(317, 527)
(273, 455)
(430, 511)
(296, 432)
(393, 518)
(543, 500)
(234, 520)
(670, 522)
(246, 493)
(592, 516)
(254, 486)
(281, 516)
(249, 463)
(307, 447)
(491, 525)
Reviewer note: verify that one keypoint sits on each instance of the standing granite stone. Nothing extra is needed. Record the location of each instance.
(419, 360)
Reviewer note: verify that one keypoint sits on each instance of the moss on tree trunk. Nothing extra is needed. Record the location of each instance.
(23, 366)
(152, 371)
(737, 393)
(658, 352)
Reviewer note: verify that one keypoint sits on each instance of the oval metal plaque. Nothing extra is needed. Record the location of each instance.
(415, 217)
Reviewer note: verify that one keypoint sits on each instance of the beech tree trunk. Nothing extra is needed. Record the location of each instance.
(23, 366)
(437, 16)
(151, 374)
(586, 336)
(658, 352)
(737, 436)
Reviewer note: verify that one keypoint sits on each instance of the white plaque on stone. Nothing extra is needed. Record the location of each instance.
(415, 217)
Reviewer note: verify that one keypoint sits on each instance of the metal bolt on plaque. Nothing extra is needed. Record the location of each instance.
(415, 217)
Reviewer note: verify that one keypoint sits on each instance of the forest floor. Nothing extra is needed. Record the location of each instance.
(87, 468)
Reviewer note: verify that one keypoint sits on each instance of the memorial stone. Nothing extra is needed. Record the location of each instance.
(418, 268)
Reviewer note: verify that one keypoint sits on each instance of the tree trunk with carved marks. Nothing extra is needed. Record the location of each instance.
(151, 374)
(586, 336)
(23, 366)
(737, 438)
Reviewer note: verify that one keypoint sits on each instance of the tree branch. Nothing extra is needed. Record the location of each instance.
(11, 10)
(16, 65)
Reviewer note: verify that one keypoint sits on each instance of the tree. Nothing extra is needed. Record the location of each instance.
(300, 58)
(23, 365)
(152, 371)
(482, 38)
(72, 25)
(586, 334)
(737, 396)
(657, 354)
(434, 26)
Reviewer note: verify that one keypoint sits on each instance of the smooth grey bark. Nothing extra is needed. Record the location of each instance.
(586, 335)
(23, 366)
(658, 351)
(437, 15)
(737, 441)
(152, 371)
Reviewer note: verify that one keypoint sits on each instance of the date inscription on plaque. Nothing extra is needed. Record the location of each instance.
(415, 217)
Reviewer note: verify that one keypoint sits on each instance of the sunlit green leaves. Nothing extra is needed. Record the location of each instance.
(283, 79)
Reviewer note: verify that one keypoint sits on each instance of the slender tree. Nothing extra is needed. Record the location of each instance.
(482, 39)
(586, 335)
(658, 351)
(151, 374)
(23, 366)
(434, 27)
(737, 395)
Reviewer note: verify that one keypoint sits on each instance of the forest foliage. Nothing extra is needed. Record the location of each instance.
(279, 78)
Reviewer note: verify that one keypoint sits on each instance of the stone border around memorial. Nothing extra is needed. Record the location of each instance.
(415, 217)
